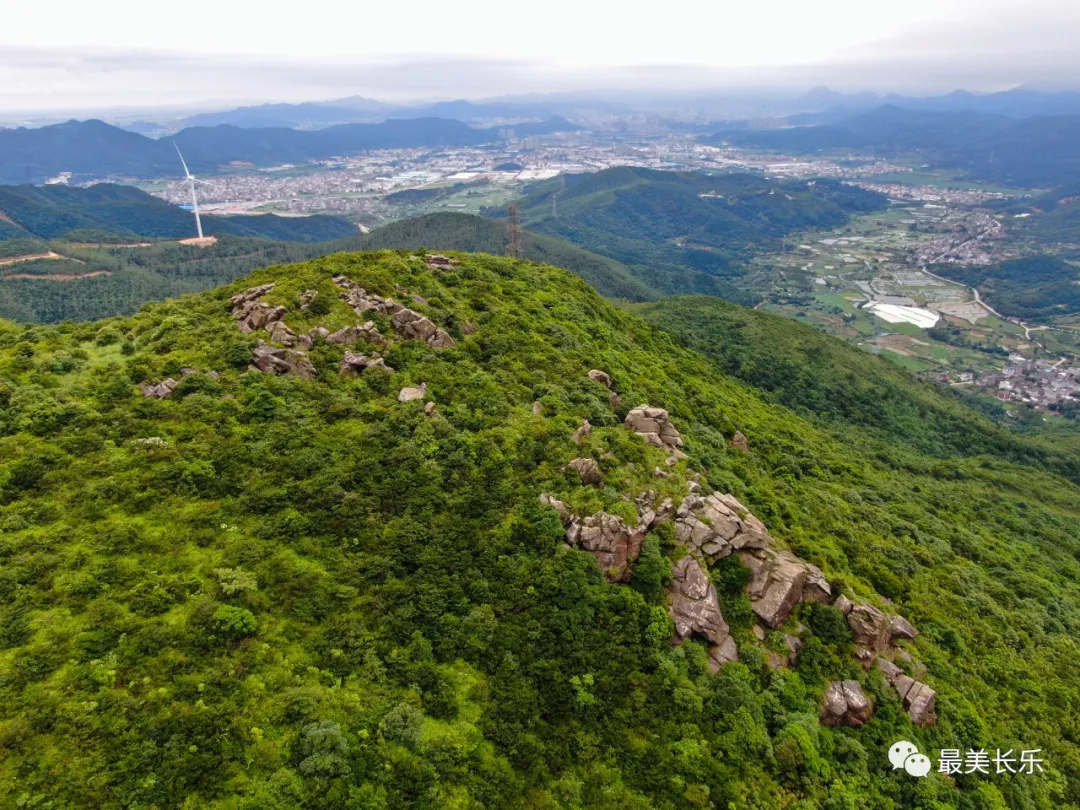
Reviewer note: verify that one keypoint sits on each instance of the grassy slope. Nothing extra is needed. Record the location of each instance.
(413, 634)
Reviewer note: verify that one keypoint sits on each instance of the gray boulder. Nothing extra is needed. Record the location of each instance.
(410, 394)
(718, 525)
(588, 470)
(846, 705)
(602, 377)
(869, 627)
(776, 583)
(695, 610)
(282, 361)
(654, 426)
(610, 540)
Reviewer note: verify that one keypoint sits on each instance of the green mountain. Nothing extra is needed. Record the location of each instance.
(336, 588)
(471, 234)
(843, 388)
(97, 282)
(683, 232)
(1034, 287)
(57, 212)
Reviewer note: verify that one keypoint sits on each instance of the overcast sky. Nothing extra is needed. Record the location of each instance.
(72, 54)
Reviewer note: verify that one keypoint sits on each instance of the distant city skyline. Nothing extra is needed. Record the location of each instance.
(119, 53)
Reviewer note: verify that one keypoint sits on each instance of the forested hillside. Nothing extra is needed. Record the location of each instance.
(56, 212)
(97, 282)
(686, 232)
(1033, 288)
(338, 586)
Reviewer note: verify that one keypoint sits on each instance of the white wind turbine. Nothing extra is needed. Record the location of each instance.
(194, 199)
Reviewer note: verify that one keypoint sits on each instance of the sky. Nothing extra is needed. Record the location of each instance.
(74, 55)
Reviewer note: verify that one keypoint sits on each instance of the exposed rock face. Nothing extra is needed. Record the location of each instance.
(357, 363)
(250, 313)
(409, 324)
(614, 544)
(817, 588)
(414, 326)
(558, 506)
(718, 525)
(538, 408)
(695, 610)
(430, 408)
(307, 297)
(409, 394)
(583, 431)
(869, 627)
(602, 377)
(280, 333)
(349, 335)
(160, 391)
(899, 627)
(740, 443)
(843, 604)
(650, 517)
(919, 702)
(282, 361)
(654, 426)
(589, 471)
(436, 261)
(876, 630)
(776, 584)
(846, 705)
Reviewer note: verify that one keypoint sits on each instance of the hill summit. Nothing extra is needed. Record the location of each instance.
(395, 529)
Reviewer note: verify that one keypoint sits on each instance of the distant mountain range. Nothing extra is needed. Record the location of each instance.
(822, 105)
(1031, 152)
(321, 114)
(95, 149)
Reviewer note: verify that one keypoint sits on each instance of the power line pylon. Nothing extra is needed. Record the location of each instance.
(516, 249)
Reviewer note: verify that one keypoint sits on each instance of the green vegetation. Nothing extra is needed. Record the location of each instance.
(472, 234)
(687, 232)
(113, 213)
(271, 592)
(1034, 287)
(130, 277)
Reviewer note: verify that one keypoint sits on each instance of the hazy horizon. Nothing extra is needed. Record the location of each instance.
(119, 54)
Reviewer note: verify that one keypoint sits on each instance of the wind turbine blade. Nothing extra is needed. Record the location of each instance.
(187, 174)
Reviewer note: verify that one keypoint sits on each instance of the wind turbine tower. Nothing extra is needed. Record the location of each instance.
(194, 199)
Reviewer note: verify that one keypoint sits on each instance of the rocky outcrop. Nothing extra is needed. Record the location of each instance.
(349, 335)
(410, 394)
(414, 326)
(846, 705)
(282, 361)
(602, 377)
(776, 583)
(718, 525)
(307, 297)
(436, 261)
(917, 697)
(588, 470)
(161, 390)
(739, 442)
(250, 313)
(608, 538)
(695, 610)
(357, 363)
(843, 604)
(408, 323)
(875, 630)
(579, 435)
(654, 426)
(280, 333)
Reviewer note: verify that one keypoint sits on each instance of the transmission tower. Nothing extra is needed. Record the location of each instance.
(516, 250)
